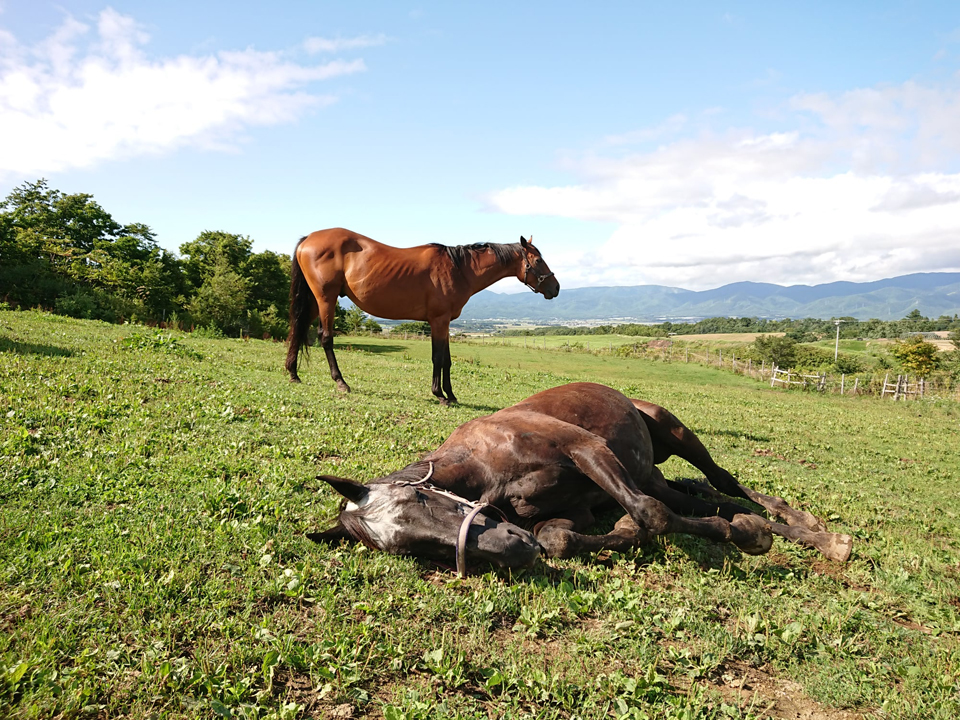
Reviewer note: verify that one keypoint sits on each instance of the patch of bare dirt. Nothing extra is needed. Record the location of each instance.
(836, 571)
(297, 687)
(784, 699)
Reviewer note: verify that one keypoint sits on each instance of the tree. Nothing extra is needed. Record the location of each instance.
(222, 300)
(210, 250)
(781, 351)
(413, 328)
(354, 319)
(916, 355)
(269, 276)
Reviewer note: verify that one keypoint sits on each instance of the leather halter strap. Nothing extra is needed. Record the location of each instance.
(528, 270)
(464, 531)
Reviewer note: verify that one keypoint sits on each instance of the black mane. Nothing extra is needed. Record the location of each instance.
(411, 473)
(459, 254)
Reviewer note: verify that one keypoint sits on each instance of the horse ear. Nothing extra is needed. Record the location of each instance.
(351, 490)
(337, 533)
(523, 241)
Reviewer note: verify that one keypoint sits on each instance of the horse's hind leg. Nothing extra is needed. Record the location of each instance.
(327, 316)
(676, 496)
(749, 532)
(672, 437)
(328, 310)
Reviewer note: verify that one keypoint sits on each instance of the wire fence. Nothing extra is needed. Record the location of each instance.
(881, 384)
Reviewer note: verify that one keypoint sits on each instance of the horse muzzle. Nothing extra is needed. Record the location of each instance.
(504, 545)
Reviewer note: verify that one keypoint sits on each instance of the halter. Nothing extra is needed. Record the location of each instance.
(476, 509)
(528, 269)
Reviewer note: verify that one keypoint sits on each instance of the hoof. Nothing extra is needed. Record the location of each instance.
(752, 534)
(557, 542)
(342, 386)
(628, 528)
(838, 548)
(294, 379)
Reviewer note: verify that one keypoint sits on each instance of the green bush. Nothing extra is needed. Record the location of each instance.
(848, 365)
(812, 357)
(78, 304)
(917, 356)
(412, 328)
(781, 351)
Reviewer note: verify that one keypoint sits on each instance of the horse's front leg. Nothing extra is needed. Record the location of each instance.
(438, 355)
(559, 538)
(440, 338)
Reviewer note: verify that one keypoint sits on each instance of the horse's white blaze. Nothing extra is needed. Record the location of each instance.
(379, 519)
(351, 506)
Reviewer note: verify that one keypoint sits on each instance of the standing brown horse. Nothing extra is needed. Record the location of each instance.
(428, 282)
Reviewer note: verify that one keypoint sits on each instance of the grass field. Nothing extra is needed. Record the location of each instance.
(155, 489)
(599, 342)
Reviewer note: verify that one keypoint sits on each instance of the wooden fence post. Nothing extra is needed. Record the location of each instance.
(842, 376)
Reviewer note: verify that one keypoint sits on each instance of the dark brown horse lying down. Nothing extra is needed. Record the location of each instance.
(549, 464)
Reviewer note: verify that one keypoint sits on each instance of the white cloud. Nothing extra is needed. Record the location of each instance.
(870, 189)
(74, 100)
(332, 45)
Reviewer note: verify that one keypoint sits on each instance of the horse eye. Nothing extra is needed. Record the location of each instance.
(421, 498)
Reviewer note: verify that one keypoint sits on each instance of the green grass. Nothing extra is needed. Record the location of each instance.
(155, 489)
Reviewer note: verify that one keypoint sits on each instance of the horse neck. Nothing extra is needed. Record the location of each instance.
(484, 270)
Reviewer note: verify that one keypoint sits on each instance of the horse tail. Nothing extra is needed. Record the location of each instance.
(302, 303)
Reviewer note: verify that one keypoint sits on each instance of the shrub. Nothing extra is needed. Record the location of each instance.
(78, 304)
(810, 356)
(781, 351)
(848, 365)
(413, 328)
(267, 324)
(916, 355)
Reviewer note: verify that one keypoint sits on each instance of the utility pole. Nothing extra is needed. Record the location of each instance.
(836, 347)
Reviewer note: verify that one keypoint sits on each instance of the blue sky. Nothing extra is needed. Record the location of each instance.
(683, 144)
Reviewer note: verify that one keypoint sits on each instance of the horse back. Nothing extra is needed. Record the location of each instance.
(385, 281)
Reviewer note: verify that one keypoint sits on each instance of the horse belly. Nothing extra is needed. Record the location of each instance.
(377, 305)
(393, 292)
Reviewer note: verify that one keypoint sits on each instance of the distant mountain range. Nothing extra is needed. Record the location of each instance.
(934, 294)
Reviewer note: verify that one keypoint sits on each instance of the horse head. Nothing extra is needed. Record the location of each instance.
(415, 518)
(536, 275)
